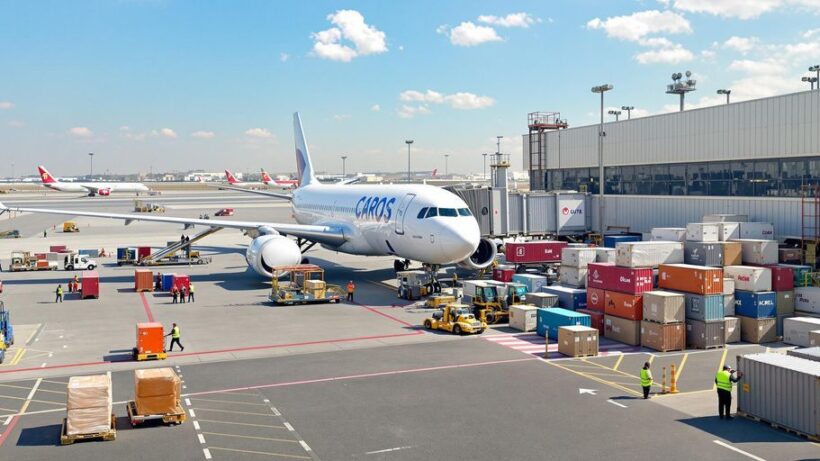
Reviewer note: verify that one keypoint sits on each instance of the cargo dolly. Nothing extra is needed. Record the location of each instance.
(306, 286)
(177, 417)
(110, 434)
(152, 356)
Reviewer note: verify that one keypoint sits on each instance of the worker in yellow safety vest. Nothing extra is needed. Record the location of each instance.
(174, 334)
(350, 289)
(724, 380)
(59, 293)
(191, 293)
(646, 380)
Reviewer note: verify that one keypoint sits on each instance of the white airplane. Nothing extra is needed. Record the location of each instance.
(266, 180)
(91, 188)
(409, 221)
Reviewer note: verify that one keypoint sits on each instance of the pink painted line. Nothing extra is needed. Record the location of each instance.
(146, 306)
(376, 311)
(360, 376)
(5, 435)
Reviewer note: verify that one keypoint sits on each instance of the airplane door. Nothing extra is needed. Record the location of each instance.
(402, 212)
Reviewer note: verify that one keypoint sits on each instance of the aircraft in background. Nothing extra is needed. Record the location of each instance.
(266, 181)
(408, 221)
(90, 188)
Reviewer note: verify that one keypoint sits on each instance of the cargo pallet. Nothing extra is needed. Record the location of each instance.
(813, 438)
(716, 346)
(677, 349)
(110, 434)
(153, 356)
(177, 417)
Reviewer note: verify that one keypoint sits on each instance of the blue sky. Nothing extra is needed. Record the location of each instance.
(176, 85)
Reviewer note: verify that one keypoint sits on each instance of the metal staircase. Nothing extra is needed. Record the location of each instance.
(177, 246)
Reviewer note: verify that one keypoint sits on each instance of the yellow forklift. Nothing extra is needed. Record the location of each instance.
(306, 285)
(457, 319)
(70, 226)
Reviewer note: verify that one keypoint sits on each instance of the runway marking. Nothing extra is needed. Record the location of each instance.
(8, 420)
(227, 401)
(594, 378)
(146, 306)
(33, 400)
(207, 453)
(34, 333)
(376, 311)
(9, 428)
(232, 411)
(679, 371)
(196, 425)
(386, 450)
(620, 373)
(241, 424)
(738, 450)
(191, 412)
(201, 438)
(304, 445)
(62, 383)
(618, 362)
(188, 402)
(273, 439)
(282, 455)
(617, 404)
(288, 426)
(11, 409)
(364, 375)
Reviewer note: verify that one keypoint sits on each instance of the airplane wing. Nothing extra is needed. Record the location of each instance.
(91, 189)
(266, 193)
(320, 234)
(352, 180)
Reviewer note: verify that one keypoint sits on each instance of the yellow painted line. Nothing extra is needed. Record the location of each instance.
(616, 371)
(242, 393)
(594, 378)
(679, 371)
(231, 411)
(10, 362)
(280, 455)
(18, 357)
(722, 362)
(240, 424)
(228, 401)
(250, 437)
(618, 362)
(30, 395)
(28, 340)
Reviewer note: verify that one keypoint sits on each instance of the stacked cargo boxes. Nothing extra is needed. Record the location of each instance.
(574, 262)
(618, 294)
(802, 274)
(568, 297)
(552, 318)
(533, 282)
(503, 273)
(807, 301)
(790, 255)
(534, 252)
(728, 296)
(702, 288)
(783, 287)
(754, 303)
(88, 406)
(662, 328)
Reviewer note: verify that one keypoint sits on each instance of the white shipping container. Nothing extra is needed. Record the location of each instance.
(750, 278)
(728, 305)
(796, 330)
(573, 276)
(728, 286)
(578, 257)
(605, 255)
(757, 230)
(702, 232)
(758, 251)
(523, 317)
(725, 218)
(669, 234)
(807, 299)
(648, 254)
(728, 231)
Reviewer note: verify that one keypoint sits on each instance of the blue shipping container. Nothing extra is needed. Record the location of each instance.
(706, 308)
(762, 304)
(531, 281)
(552, 318)
(167, 282)
(568, 297)
(611, 240)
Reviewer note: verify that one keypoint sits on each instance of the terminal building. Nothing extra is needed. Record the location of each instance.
(760, 158)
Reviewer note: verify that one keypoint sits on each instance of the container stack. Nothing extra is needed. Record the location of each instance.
(702, 288)
(503, 273)
(783, 287)
(574, 263)
(88, 406)
(807, 301)
(568, 297)
(662, 328)
(754, 303)
(533, 282)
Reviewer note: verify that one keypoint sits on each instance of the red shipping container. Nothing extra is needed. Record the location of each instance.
(39, 256)
(143, 252)
(597, 319)
(623, 305)
(143, 280)
(782, 278)
(689, 278)
(150, 338)
(181, 280)
(57, 249)
(610, 277)
(90, 285)
(538, 251)
(595, 300)
(503, 274)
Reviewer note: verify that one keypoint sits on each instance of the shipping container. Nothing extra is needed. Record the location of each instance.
(623, 305)
(728, 305)
(755, 304)
(757, 230)
(669, 234)
(785, 302)
(90, 285)
(92, 253)
(541, 299)
(705, 308)
(578, 341)
(728, 231)
(605, 255)
(782, 278)
(612, 240)
(573, 276)
(802, 274)
(703, 254)
(732, 328)
(57, 249)
(596, 319)
(790, 255)
(807, 299)
(523, 317)
(781, 390)
(167, 281)
(758, 331)
(732, 253)
(552, 318)
(536, 251)
(533, 282)
(143, 280)
(814, 338)
(181, 280)
(143, 252)
(663, 337)
(738, 218)
(649, 254)
(691, 279)
(796, 330)
(705, 335)
(608, 276)
(578, 257)
(808, 353)
(664, 307)
(150, 338)
(728, 285)
(595, 299)
(126, 254)
(758, 252)
(503, 273)
(702, 232)
(750, 278)
(568, 297)
(779, 324)
(622, 330)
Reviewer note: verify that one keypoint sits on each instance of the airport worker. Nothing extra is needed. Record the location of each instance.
(174, 294)
(724, 380)
(158, 284)
(182, 294)
(45, 233)
(350, 289)
(174, 334)
(76, 281)
(59, 293)
(646, 380)
(191, 293)
(71, 286)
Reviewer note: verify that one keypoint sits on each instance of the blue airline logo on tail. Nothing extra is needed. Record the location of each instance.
(375, 208)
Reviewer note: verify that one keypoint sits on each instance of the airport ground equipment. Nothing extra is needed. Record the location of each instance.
(142, 207)
(439, 301)
(110, 434)
(26, 261)
(306, 285)
(489, 306)
(6, 331)
(70, 226)
(74, 262)
(457, 319)
(167, 256)
(416, 284)
(177, 417)
(224, 212)
(150, 342)
(10, 234)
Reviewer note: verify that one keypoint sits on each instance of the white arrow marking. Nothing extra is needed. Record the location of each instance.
(587, 391)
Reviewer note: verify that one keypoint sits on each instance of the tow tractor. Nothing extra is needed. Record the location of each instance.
(306, 285)
(70, 226)
(457, 319)
(416, 284)
(488, 305)
(6, 331)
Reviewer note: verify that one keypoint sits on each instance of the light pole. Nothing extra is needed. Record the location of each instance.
(12, 170)
(446, 164)
(601, 89)
(681, 87)
(91, 157)
(408, 142)
(616, 113)
(816, 68)
(628, 110)
(485, 165)
(726, 92)
(810, 80)
(344, 157)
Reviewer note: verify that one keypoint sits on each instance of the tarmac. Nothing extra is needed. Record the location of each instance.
(341, 381)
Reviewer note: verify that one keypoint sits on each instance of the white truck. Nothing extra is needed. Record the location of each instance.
(78, 262)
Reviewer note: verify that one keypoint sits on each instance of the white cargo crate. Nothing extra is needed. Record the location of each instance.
(669, 234)
(725, 218)
(728, 231)
(523, 317)
(648, 254)
(605, 255)
(807, 299)
(757, 251)
(796, 330)
(750, 278)
(728, 286)
(757, 230)
(702, 232)
(573, 276)
(578, 257)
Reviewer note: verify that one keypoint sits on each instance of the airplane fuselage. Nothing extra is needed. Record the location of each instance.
(89, 187)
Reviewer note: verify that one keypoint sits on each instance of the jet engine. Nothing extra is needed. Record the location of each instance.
(483, 256)
(269, 250)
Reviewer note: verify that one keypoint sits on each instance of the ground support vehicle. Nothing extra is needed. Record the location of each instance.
(6, 331)
(25, 261)
(177, 417)
(142, 207)
(413, 285)
(10, 234)
(457, 319)
(194, 258)
(439, 301)
(70, 226)
(306, 285)
(78, 262)
(224, 212)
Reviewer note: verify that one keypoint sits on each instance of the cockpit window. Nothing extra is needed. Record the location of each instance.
(432, 212)
(422, 212)
(464, 212)
(447, 212)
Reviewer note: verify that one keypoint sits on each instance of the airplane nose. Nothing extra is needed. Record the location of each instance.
(459, 242)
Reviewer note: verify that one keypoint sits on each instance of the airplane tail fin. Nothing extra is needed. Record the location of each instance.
(230, 176)
(266, 177)
(303, 164)
(435, 171)
(45, 176)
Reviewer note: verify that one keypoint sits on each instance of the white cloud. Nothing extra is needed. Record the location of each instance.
(743, 9)
(6, 105)
(638, 25)
(459, 100)
(672, 54)
(749, 66)
(375, 107)
(742, 45)
(469, 34)
(511, 20)
(16, 124)
(284, 57)
(811, 33)
(350, 26)
(125, 128)
(258, 133)
(429, 96)
(203, 134)
(341, 117)
(708, 55)
(168, 133)
(81, 132)
(408, 111)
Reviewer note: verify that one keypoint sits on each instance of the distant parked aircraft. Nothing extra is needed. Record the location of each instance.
(91, 188)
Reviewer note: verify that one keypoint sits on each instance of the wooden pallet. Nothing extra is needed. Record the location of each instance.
(110, 434)
(717, 346)
(154, 356)
(813, 438)
(177, 417)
